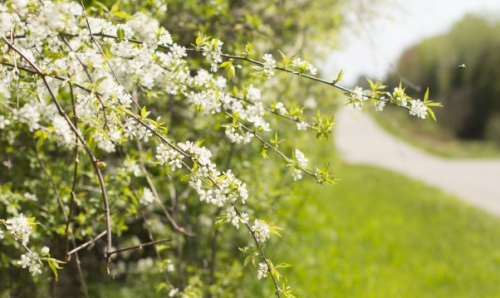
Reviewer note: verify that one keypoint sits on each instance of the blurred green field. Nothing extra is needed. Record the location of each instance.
(380, 234)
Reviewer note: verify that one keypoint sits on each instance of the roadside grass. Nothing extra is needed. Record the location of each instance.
(430, 137)
(381, 234)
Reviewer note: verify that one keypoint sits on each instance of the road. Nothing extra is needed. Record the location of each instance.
(360, 140)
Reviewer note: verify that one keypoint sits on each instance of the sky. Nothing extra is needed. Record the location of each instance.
(369, 49)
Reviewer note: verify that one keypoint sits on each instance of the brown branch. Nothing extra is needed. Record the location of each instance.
(87, 243)
(140, 246)
(80, 273)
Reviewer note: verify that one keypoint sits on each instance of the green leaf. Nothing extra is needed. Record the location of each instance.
(121, 15)
(54, 265)
(426, 96)
(120, 33)
(161, 286)
(143, 112)
(219, 222)
(248, 259)
(431, 112)
(285, 58)
(115, 6)
(372, 85)
(339, 77)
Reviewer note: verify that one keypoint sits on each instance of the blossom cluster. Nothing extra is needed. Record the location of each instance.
(21, 227)
(32, 261)
(417, 107)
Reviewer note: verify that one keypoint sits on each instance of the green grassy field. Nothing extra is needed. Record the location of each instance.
(380, 234)
(429, 136)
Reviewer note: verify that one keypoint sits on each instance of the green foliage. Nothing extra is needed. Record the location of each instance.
(470, 93)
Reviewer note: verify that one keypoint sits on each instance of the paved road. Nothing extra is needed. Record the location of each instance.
(359, 140)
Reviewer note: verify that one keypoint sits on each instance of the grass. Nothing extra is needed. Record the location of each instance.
(380, 234)
(430, 137)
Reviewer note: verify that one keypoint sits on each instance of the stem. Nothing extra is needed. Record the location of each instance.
(87, 243)
(137, 246)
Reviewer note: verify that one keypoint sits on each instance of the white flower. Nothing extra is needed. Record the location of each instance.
(302, 125)
(280, 108)
(131, 166)
(379, 105)
(213, 52)
(24, 262)
(30, 197)
(253, 93)
(357, 97)
(20, 227)
(170, 265)
(35, 268)
(402, 101)
(297, 174)
(244, 218)
(269, 65)
(147, 196)
(3, 122)
(233, 217)
(261, 230)
(205, 196)
(1, 234)
(45, 250)
(32, 261)
(418, 108)
(173, 292)
(263, 270)
(398, 92)
(269, 61)
(301, 159)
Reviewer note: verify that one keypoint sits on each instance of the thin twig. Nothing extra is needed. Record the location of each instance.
(75, 172)
(87, 243)
(140, 246)
(157, 197)
(80, 273)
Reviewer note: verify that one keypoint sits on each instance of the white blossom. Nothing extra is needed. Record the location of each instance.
(379, 105)
(253, 93)
(20, 227)
(297, 174)
(303, 65)
(233, 217)
(302, 125)
(30, 197)
(3, 122)
(301, 159)
(269, 65)
(170, 265)
(263, 270)
(147, 196)
(418, 108)
(280, 108)
(173, 292)
(32, 261)
(261, 230)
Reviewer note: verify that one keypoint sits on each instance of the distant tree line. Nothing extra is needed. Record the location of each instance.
(462, 70)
